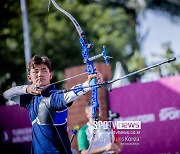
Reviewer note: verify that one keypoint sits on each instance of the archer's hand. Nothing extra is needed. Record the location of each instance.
(34, 90)
(98, 76)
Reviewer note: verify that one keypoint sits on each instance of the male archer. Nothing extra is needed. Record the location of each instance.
(105, 141)
(48, 109)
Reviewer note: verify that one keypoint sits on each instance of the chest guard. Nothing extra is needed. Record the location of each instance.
(47, 115)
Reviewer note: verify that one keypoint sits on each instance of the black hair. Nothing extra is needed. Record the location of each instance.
(39, 60)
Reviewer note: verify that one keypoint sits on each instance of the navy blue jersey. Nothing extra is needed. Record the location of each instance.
(45, 138)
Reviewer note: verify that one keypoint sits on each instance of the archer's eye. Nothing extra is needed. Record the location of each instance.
(44, 70)
(35, 71)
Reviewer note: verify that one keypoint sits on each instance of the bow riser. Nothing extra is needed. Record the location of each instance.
(90, 69)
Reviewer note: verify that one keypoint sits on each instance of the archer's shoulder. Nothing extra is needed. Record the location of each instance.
(83, 129)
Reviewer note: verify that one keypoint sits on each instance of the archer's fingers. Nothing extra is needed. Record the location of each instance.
(99, 77)
(32, 89)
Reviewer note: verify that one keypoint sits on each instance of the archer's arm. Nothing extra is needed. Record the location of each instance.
(21, 90)
(78, 91)
(15, 92)
(19, 95)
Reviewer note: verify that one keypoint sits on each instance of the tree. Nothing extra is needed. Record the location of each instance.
(11, 44)
(113, 28)
(54, 35)
(172, 68)
(168, 8)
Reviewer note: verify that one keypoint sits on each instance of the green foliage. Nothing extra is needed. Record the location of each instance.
(168, 8)
(102, 26)
(135, 63)
(105, 22)
(11, 44)
(172, 68)
(54, 35)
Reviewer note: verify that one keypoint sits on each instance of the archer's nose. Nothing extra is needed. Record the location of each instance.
(40, 74)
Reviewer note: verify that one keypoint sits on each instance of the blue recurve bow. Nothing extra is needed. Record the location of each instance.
(90, 69)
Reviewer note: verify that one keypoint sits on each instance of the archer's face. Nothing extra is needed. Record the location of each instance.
(89, 114)
(40, 75)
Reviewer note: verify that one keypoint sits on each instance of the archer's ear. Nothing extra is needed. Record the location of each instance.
(51, 76)
(29, 78)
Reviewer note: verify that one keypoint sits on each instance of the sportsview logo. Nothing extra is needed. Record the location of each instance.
(118, 124)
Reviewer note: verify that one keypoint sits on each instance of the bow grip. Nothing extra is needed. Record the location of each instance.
(95, 104)
(93, 81)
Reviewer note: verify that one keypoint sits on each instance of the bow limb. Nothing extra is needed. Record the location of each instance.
(76, 24)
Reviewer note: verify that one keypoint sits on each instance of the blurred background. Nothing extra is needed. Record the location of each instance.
(136, 33)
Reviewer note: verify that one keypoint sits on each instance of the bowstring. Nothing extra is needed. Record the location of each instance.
(72, 77)
(45, 28)
(55, 126)
(43, 50)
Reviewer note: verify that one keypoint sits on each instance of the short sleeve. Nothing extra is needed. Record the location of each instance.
(82, 140)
